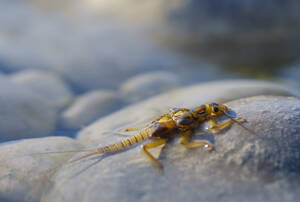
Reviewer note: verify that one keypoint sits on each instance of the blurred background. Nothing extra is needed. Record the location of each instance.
(86, 59)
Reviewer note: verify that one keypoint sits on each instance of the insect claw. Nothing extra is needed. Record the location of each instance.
(241, 120)
(209, 147)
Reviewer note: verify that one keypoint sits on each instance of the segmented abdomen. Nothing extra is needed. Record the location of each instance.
(129, 142)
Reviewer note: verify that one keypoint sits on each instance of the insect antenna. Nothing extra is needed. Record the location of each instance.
(251, 131)
(240, 124)
(278, 157)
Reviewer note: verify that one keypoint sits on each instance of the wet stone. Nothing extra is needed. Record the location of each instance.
(243, 166)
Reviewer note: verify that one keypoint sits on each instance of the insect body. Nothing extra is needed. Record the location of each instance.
(179, 121)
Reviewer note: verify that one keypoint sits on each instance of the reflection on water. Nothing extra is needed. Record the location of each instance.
(248, 37)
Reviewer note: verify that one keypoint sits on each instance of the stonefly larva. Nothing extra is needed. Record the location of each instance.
(180, 122)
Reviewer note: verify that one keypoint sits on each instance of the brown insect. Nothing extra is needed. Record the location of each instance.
(178, 122)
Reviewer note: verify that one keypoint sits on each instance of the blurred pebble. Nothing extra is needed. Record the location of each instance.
(46, 84)
(24, 174)
(23, 113)
(145, 85)
(89, 107)
(109, 53)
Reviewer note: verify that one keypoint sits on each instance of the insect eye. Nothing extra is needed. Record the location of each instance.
(216, 109)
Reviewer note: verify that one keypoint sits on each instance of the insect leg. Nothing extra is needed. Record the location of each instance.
(185, 141)
(150, 145)
(217, 127)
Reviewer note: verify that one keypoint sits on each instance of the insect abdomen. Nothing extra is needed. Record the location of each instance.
(133, 140)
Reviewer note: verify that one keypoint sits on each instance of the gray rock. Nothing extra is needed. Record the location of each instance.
(148, 84)
(89, 107)
(24, 174)
(243, 167)
(23, 113)
(46, 84)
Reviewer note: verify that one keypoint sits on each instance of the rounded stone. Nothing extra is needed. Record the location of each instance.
(89, 107)
(148, 84)
(24, 173)
(263, 166)
(23, 113)
(46, 84)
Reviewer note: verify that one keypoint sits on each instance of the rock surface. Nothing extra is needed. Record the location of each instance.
(148, 84)
(89, 107)
(46, 84)
(23, 113)
(243, 167)
(24, 174)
